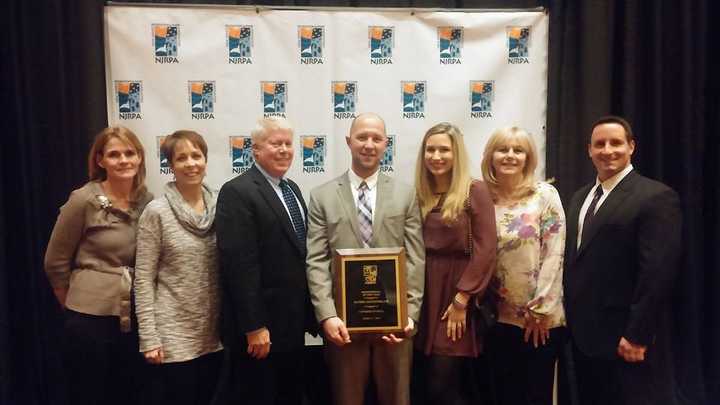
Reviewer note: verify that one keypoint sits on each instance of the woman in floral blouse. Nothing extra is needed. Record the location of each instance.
(524, 345)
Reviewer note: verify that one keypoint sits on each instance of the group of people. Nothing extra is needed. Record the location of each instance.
(221, 287)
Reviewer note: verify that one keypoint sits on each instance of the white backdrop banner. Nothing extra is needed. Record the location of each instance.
(217, 70)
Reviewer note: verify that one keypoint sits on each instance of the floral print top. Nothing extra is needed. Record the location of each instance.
(531, 241)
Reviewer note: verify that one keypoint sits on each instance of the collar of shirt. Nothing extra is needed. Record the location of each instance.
(274, 181)
(275, 184)
(608, 185)
(371, 180)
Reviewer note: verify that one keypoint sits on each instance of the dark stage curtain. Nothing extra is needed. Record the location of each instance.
(53, 100)
(651, 61)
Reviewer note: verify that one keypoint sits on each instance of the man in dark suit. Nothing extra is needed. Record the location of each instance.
(622, 250)
(261, 227)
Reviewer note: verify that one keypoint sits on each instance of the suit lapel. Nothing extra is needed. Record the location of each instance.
(608, 209)
(271, 197)
(573, 217)
(348, 204)
(382, 199)
(298, 193)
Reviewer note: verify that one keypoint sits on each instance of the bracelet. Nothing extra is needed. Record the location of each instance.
(457, 304)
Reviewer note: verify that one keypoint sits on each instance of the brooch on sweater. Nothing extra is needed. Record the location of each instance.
(104, 202)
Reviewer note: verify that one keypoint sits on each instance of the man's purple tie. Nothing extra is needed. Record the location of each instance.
(364, 213)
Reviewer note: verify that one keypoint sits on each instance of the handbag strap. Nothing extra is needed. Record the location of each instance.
(469, 241)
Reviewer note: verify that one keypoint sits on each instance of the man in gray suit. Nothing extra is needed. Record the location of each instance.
(364, 208)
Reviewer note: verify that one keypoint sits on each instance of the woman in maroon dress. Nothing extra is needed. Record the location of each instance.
(460, 243)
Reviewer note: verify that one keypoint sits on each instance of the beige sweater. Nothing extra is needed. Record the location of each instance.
(92, 252)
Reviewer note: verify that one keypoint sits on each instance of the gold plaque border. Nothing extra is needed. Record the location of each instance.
(343, 256)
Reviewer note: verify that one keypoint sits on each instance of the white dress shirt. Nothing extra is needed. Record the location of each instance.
(608, 185)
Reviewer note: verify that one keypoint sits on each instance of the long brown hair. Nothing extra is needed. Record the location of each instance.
(97, 173)
(460, 179)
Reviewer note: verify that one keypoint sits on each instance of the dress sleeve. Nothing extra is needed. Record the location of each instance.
(480, 269)
(149, 244)
(64, 240)
(548, 293)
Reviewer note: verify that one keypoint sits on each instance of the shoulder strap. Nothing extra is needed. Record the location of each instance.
(468, 210)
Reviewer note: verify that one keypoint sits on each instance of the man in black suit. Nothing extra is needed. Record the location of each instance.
(622, 250)
(261, 227)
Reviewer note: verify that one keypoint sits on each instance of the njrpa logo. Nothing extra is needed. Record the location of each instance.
(241, 154)
(388, 159)
(311, 40)
(239, 43)
(313, 153)
(344, 99)
(164, 163)
(413, 99)
(482, 94)
(166, 40)
(129, 96)
(450, 40)
(382, 42)
(202, 99)
(518, 43)
(274, 98)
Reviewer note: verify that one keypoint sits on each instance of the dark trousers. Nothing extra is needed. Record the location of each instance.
(276, 380)
(522, 373)
(103, 365)
(449, 380)
(617, 382)
(191, 382)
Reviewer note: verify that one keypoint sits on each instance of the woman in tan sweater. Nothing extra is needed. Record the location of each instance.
(89, 263)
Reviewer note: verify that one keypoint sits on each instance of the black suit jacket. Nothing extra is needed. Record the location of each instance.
(262, 264)
(616, 283)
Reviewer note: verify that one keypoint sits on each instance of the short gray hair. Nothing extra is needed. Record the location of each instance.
(266, 125)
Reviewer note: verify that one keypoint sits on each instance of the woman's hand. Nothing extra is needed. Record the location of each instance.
(536, 327)
(61, 295)
(155, 356)
(456, 316)
(259, 343)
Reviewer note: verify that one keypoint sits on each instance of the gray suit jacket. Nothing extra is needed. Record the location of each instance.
(332, 224)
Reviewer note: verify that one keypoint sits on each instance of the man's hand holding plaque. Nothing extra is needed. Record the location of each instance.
(409, 331)
(336, 331)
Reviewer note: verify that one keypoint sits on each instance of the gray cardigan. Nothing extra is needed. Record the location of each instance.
(176, 278)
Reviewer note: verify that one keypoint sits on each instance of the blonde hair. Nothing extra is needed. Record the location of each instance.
(97, 173)
(501, 137)
(460, 180)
